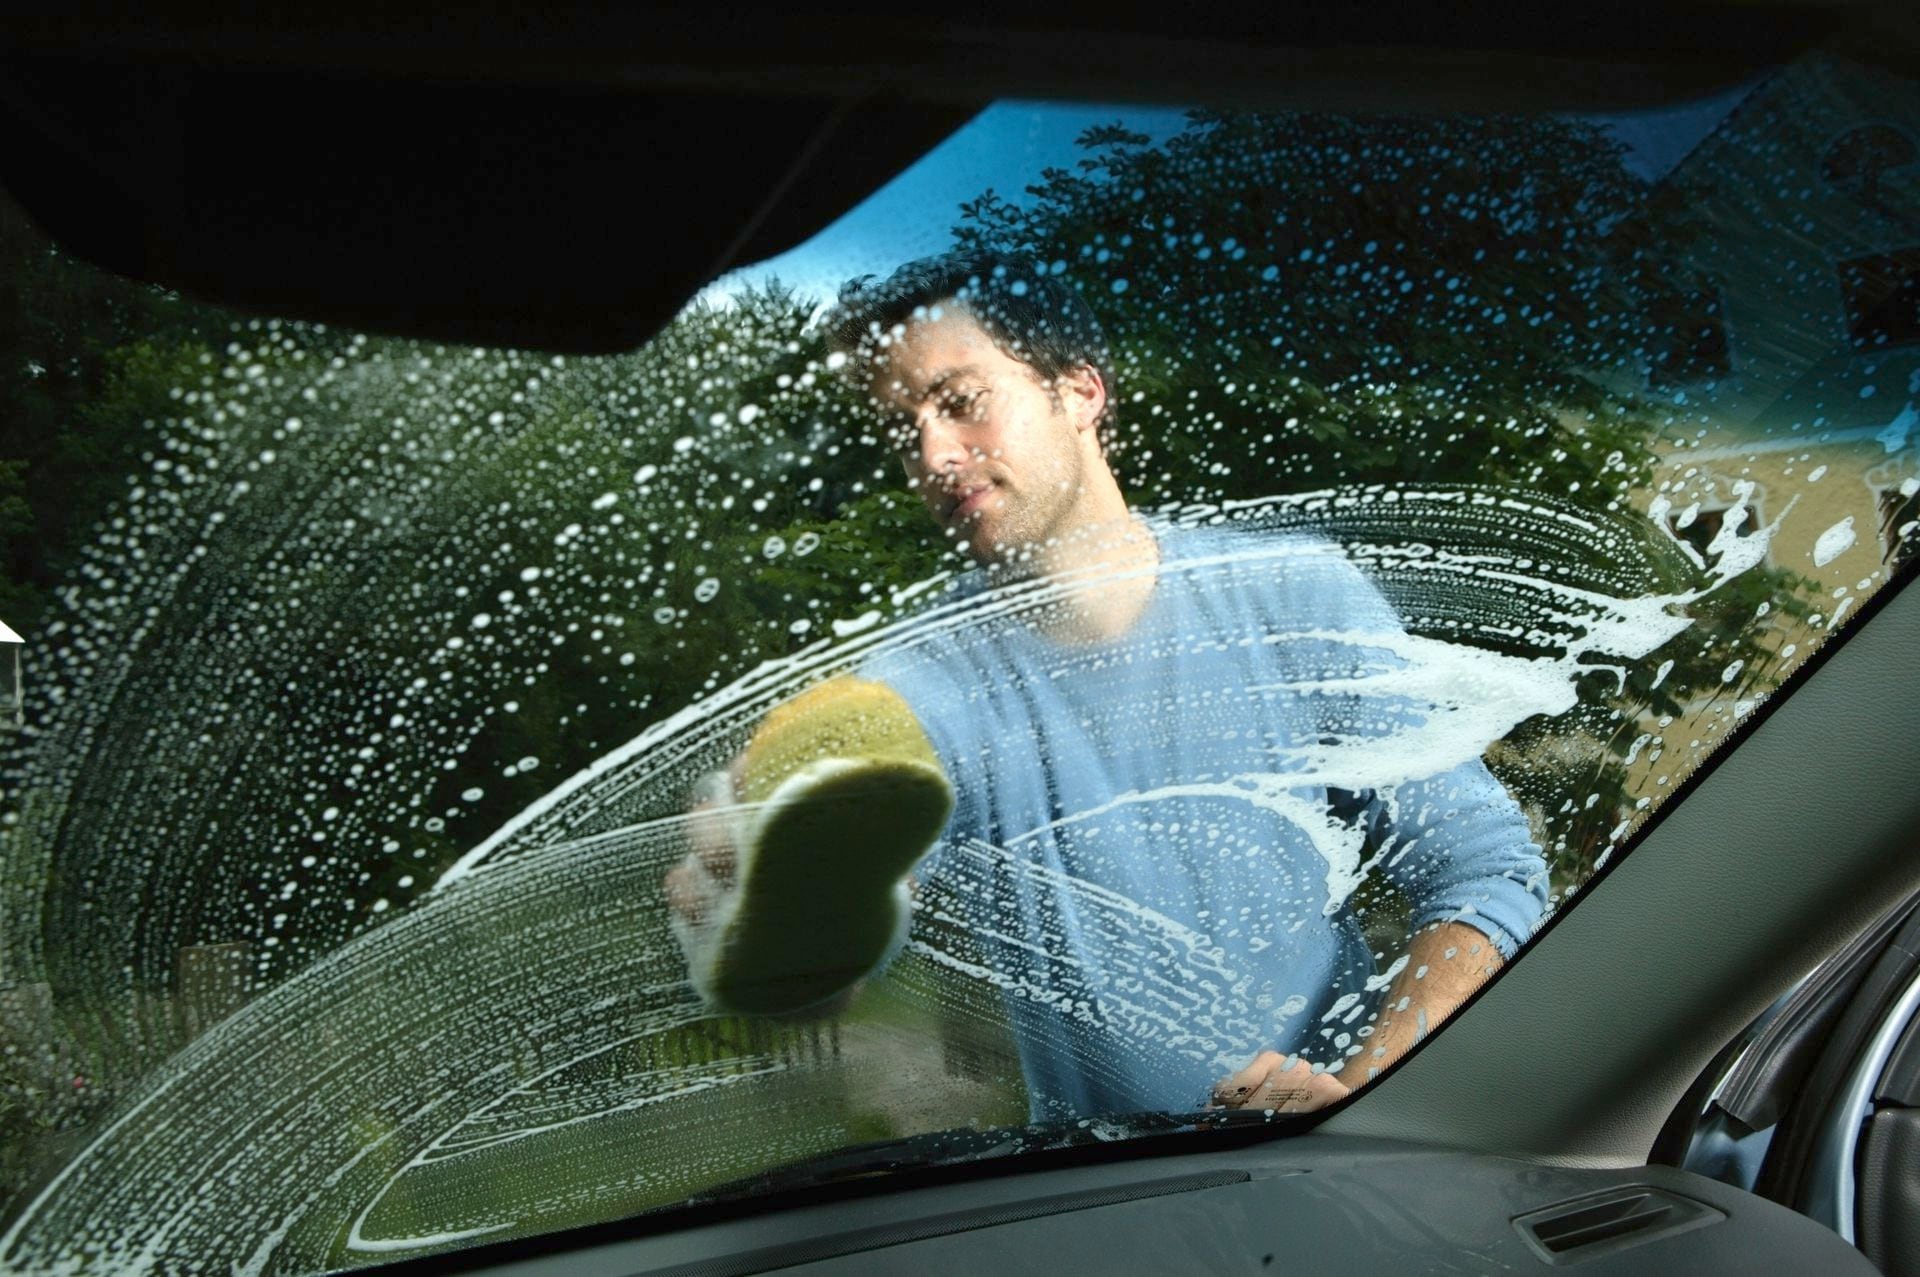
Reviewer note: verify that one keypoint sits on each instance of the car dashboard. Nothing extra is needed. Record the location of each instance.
(1314, 1202)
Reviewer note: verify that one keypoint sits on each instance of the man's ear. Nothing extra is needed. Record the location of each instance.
(1084, 393)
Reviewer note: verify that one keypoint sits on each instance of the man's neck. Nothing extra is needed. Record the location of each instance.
(1107, 569)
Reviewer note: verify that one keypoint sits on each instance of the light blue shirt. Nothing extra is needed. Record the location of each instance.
(1127, 859)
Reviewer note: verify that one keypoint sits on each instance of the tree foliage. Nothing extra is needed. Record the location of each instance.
(1300, 299)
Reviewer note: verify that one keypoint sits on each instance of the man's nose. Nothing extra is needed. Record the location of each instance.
(941, 448)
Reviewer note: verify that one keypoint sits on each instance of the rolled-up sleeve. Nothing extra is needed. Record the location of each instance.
(1458, 845)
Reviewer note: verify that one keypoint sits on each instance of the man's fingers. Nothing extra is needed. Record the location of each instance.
(1234, 1091)
(686, 893)
(1282, 1084)
(1288, 1087)
(708, 867)
(710, 834)
(1320, 1090)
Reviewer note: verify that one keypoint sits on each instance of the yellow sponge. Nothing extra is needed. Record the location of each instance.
(843, 794)
(846, 718)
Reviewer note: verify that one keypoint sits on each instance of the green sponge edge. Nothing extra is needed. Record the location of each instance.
(820, 897)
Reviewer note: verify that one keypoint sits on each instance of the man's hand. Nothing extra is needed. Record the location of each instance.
(1278, 1083)
(1446, 962)
(693, 884)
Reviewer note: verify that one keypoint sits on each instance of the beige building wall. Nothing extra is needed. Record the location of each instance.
(1824, 504)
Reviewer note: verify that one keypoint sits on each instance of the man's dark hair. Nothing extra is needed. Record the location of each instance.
(1029, 311)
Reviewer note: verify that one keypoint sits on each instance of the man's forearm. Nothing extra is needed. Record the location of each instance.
(1446, 962)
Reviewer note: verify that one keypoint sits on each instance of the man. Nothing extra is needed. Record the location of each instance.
(1144, 752)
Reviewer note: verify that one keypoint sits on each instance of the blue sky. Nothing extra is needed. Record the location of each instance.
(1006, 146)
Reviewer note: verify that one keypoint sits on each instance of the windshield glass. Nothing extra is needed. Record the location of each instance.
(1131, 626)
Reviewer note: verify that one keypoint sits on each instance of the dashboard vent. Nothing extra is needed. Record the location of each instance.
(1585, 1227)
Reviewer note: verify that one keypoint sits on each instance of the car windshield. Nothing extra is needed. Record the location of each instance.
(1122, 633)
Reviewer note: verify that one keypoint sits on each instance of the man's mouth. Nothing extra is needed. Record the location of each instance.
(967, 501)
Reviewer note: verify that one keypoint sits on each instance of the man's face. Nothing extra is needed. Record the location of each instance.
(1000, 458)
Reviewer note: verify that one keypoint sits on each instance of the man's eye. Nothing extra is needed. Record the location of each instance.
(964, 406)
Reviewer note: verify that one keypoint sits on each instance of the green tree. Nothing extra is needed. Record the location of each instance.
(1297, 300)
(66, 330)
